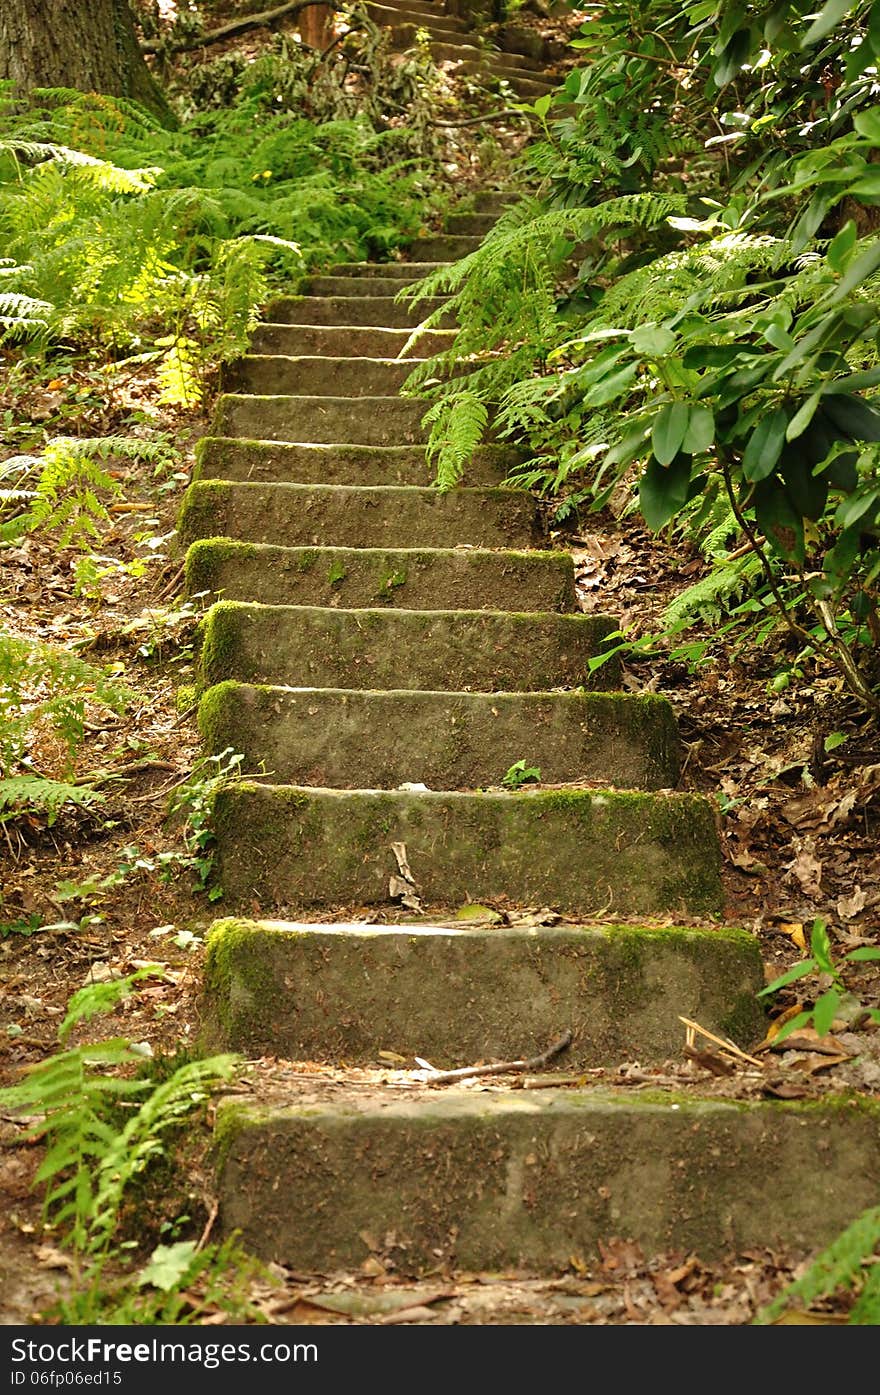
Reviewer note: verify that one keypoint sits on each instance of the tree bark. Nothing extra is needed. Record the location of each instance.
(89, 45)
(316, 26)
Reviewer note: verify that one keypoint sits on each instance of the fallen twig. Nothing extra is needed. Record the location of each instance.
(728, 1046)
(447, 1077)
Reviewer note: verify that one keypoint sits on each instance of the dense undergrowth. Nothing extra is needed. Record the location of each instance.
(685, 319)
(127, 244)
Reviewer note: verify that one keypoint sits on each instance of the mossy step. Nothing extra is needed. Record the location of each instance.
(494, 201)
(525, 84)
(348, 341)
(349, 739)
(353, 515)
(382, 311)
(330, 421)
(471, 224)
(346, 992)
(404, 273)
(588, 853)
(499, 1179)
(352, 285)
(429, 8)
(441, 247)
(431, 17)
(408, 30)
(235, 458)
(494, 59)
(276, 374)
(408, 578)
(438, 650)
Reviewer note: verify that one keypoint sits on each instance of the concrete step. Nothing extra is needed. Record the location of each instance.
(525, 84)
(404, 34)
(353, 285)
(442, 247)
(494, 200)
(585, 852)
(492, 58)
(431, 8)
(404, 272)
(352, 515)
(471, 224)
(358, 421)
(440, 650)
(279, 462)
(344, 739)
(494, 1179)
(619, 991)
(407, 16)
(347, 341)
(317, 375)
(373, 310)
(528, 89)
(407, 578)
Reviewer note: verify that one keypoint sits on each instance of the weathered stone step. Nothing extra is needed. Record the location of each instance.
(346, 739)
(493, 993)
(403, 272)
(441, 650)
(471, 224)
(429, 8)
(347, 341)
(494, 200)
(280, 462)
(407, 578)
(353, 285)
(278, 374)
(442, 247)
(527, 87)
(332, 421)
(407, 17)
(499, 1179)
(586, 853)
(354, 515)
(283, 462)
(493, 59)
(373, 310)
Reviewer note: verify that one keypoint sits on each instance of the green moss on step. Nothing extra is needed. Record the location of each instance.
(203, 511)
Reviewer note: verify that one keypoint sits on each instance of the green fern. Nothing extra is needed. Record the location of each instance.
(44, 684)
(457, 427)
(849, 1262)
(89, 1161)
(73, 483)
(49, 797)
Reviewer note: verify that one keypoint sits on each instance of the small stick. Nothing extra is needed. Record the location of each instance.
(722, 1042)
(209, 1226)
(447, 1077)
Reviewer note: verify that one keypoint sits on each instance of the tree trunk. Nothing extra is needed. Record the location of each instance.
(316, 26)
(89, 45)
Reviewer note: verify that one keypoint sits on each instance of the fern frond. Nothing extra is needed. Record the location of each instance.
(457, 428)
(840, 1265)
(48, 797)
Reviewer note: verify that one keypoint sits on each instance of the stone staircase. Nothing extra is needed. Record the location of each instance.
(385, 653)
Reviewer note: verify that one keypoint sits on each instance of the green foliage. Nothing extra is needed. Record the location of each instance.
(44, 682)
(849, 1262)
(102, 1126)
(826, 1006)
(192, 805)
(519, 774)
(680, 316)
(120, 233)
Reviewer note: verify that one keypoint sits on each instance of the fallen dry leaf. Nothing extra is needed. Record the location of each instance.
(849, 906)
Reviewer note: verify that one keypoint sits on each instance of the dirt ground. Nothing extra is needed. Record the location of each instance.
(791, 761)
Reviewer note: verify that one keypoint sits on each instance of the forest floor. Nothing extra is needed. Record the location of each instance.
(790, 760)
